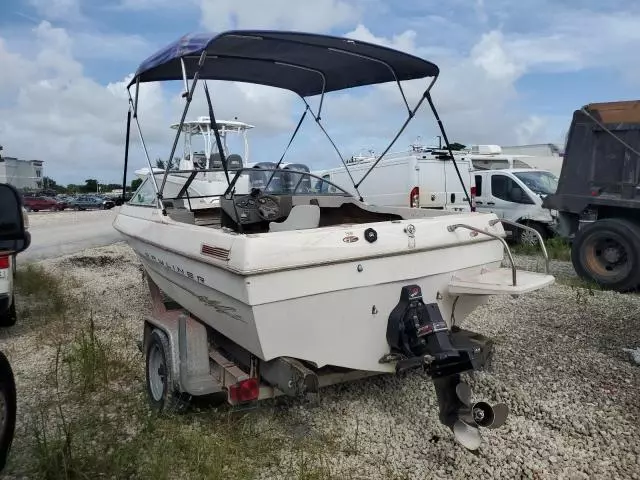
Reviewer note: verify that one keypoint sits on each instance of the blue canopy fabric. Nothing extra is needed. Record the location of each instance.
(307, 64)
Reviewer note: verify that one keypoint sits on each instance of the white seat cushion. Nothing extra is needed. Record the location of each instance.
(301, 217)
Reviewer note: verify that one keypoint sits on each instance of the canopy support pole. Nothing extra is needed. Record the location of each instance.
(214, 126)
(295, 132)
(144, 146)
(126, 155)
(412, 114)
(446, 141)
(189, 96)
(317, 120)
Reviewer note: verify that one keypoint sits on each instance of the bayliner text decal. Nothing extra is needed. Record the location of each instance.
(215, 304)
(175, 268)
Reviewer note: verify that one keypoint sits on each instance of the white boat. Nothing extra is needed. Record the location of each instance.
(287, 281)
(206, 186)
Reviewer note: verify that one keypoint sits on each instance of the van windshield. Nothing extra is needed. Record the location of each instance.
(542, 183)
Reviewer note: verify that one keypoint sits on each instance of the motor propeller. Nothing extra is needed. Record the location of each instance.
(471, 416)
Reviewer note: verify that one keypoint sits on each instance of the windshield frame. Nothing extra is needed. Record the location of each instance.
(340, 191)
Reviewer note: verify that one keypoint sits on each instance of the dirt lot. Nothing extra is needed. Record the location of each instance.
(559, 364)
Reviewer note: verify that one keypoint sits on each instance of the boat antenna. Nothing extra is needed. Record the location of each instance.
(295, 132)
(448, 145)
(216, 132)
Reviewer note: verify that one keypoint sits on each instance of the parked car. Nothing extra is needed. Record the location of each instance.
(516, 195)
(86, 202)
(14, 238)
(36, 204)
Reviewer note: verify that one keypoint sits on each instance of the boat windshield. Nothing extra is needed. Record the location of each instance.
(290, 180)
(542, 183)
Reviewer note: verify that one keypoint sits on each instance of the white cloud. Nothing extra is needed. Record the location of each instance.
(65, 10)
(52, 108)
(319, 15)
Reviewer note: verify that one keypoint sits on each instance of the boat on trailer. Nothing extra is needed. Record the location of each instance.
(284, 287)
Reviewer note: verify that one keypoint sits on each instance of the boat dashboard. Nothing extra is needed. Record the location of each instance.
(257, 207)
(257, 212)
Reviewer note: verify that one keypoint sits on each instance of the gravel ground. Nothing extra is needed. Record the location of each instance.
(558, 363)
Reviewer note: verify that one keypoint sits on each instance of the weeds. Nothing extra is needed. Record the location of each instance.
(557, 249)
(46, 291)
(89, 418)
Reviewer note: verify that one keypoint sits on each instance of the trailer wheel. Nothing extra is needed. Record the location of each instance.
(8, 409)
(608, 253)
(163, 396)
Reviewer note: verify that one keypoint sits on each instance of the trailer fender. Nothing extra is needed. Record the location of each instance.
(196, 342)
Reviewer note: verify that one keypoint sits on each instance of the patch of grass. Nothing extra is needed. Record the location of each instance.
(557, 248)
(89, 417)
(43, 288)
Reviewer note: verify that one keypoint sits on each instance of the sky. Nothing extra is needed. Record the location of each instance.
(512, 72)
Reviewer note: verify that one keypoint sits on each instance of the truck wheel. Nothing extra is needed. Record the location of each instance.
(8, 409)
(160, 386)
(608, 253)
(526, 237)
(9, 318)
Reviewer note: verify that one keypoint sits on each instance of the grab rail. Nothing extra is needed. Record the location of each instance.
(537, 234)
(452, 228)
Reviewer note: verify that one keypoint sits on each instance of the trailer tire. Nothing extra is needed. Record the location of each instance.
(8, 409)
(607, 252)
(163, 396)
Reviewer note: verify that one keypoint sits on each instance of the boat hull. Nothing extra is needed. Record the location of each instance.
(333, 314)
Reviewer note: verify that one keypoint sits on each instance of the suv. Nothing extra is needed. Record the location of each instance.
(598, 195)
(43, 203)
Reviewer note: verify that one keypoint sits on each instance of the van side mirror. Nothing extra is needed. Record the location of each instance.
(14, 237)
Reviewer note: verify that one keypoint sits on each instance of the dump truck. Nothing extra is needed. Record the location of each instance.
(598, 194)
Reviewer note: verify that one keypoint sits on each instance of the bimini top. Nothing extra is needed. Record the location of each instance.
(307, 64)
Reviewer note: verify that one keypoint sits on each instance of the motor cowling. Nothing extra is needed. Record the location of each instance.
(417, 330)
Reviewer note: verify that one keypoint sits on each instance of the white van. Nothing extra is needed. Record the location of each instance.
(419, 178)
(516, 194)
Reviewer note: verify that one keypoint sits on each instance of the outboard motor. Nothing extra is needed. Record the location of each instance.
(419, 337)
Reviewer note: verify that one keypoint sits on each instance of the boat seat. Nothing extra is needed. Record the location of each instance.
(301, 217)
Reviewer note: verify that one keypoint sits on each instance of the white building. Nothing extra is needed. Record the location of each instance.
(22, 174)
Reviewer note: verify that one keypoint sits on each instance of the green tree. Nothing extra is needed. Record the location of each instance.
(135, 183)
(90, 186)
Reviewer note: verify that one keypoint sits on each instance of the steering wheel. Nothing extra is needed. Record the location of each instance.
(267, 207)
